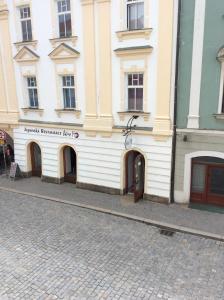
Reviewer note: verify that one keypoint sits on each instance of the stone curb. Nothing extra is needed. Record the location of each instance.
(161, 225)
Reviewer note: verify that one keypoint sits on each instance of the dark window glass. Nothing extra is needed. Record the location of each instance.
(29, 30)
(139, 98)
(68, 24)
(135, 91)
(129, 79)
(25, 12)
(198, 178)
(135, 16)
(64, 6)
(131, 99)
(26, 24)
(32, 91)
(140, 79)
(223, 101)
(68, 91)
(62, 25)
(217, 181)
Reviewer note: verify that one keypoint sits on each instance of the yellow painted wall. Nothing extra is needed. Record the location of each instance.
(162, 124)
(8, 98)
(98, 80)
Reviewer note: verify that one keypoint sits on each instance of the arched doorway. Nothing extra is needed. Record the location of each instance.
(36, 164)
(207, 180)
(69, 159)
(6, 151)
(134, 174)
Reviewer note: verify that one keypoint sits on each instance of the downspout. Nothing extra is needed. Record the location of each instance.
(173, 159)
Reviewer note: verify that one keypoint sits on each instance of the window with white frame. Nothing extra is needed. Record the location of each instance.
(135, 14)
(135, 91)
(221, 90)
(64, 18)
(222, 99)
(68, 89)
(32, 92)
(26, 26)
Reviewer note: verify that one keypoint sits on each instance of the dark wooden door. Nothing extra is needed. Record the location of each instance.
(69, 157)
(198, 182)
(139, 177)
(215, 187)
(207, 184)
(35, 160)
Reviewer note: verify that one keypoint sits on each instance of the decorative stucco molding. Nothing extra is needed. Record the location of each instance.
(133, 50)
(26, 55)
(63, 51)
(220, 55)
(134, 34)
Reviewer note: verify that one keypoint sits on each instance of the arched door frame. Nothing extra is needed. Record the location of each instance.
(28, 155)
(61, 160)
(188, 167)
(123, 168)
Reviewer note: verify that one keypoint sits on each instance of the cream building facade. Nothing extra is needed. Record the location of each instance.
(8, 98)
(83, 69)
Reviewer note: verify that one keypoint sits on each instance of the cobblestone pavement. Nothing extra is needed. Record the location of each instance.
(212, 223)
(52, 251)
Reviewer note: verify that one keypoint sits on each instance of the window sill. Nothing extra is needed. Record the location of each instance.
(123, 114)
(74, 111)
(134, 34)
(219, 116)
(32, 43)
(54, 42)
(30, 109)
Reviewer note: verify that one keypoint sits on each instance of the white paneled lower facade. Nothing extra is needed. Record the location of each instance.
(99, 162)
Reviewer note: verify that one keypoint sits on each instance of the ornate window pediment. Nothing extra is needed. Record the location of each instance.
(220, 55)
(63, 51)
(26, 55)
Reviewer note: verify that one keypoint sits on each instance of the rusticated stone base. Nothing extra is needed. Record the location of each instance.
(157, 199)
(98, 188)
(52, 179)
(26, 174)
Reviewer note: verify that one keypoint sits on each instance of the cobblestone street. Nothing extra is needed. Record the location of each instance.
(50, 250)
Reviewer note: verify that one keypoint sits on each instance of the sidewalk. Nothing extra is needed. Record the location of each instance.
(176, 217)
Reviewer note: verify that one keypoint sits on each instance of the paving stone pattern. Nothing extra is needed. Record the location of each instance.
(174, 214)
(52, 251)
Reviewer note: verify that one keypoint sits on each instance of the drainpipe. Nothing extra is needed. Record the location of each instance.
(173, 159)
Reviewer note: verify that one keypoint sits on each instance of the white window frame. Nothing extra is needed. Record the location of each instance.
(68, 87)
(128, 2)
(35, 87)
(63, 13)
(134, 86)
(221, 91)
(25, 19)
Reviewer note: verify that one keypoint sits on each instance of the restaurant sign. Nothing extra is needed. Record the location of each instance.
(52, 132)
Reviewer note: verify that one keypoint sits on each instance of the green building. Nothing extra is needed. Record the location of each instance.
(199, 163)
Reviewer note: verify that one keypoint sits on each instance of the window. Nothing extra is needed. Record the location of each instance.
(64, 18)
(135, 14)
(135, 91)
(32, 92)
(68, 88)
(222, 109)
(26, 23)
(221, 90)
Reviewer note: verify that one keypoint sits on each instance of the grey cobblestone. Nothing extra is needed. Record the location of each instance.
(175, 215)
(54, 251)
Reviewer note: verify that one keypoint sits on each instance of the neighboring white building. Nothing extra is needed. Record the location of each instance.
(80, 81)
